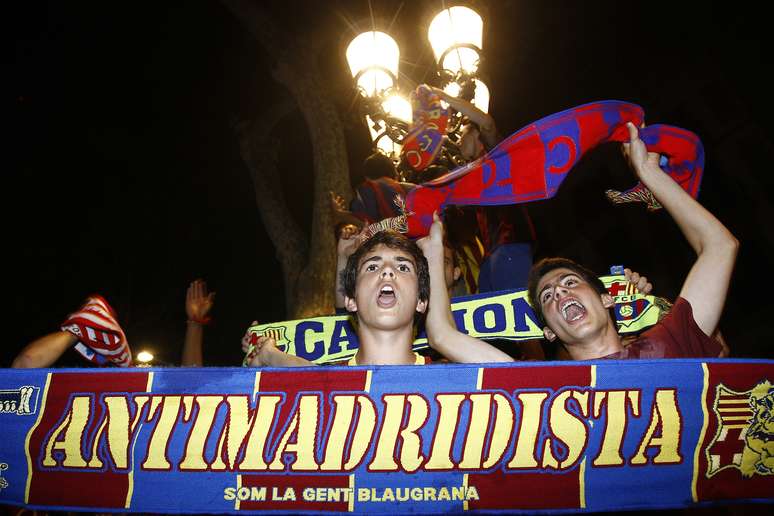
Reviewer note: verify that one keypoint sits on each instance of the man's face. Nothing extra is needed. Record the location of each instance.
(386, 289)
(573, 309)
(450, 272)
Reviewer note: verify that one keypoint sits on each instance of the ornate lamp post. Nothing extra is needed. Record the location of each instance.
(456, 36)
(373, 60)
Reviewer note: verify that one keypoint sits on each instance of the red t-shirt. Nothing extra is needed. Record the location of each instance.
(676, 336)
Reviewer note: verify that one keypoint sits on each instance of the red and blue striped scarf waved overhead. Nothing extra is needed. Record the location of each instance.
(531, 164)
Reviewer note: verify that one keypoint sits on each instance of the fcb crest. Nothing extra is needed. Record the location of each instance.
(278, 334)
(745, 436)
(632, 309)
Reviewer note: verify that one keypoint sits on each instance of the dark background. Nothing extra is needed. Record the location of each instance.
(125, 178)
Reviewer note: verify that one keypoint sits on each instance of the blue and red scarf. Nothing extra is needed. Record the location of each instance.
(531, 164)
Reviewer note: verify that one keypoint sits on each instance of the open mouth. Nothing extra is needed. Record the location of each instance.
(572, 310)
(386, 297)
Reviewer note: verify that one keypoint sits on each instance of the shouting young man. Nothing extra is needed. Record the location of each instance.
(386, 286)
(573, 305)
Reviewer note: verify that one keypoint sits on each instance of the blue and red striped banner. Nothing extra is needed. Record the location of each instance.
(523, 437)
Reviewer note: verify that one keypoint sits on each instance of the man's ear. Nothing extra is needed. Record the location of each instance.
(457, 272)
(421, 306)
(548, 334)
(350, 304)
(607, 300)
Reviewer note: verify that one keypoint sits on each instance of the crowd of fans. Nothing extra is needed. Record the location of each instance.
(388, 282)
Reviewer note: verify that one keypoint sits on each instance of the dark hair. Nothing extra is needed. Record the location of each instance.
(379, 165)
(547, 265)
(392, 240)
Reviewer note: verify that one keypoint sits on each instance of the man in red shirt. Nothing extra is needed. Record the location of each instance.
(574, 306)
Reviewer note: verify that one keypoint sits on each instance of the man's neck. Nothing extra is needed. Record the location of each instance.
(605, 343)
(385, 347)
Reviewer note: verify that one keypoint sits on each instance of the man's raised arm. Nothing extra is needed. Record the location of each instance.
(706, 285)
(442, 333)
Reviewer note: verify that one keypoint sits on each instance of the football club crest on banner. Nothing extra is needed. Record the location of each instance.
(744, 439)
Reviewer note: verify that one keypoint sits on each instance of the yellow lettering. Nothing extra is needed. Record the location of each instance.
(664, 414)
(73, 426)
(567, 428)
(200, 430)
(473, 450)
(440, 454)
(241, 420)
(526, 441)
(304, 425)
(120, 432)
(364, 431)
(340, 429)
(156, 456)
(411, 448)
(615, 423)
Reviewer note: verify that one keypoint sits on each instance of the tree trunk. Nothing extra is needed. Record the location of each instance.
(308, 265)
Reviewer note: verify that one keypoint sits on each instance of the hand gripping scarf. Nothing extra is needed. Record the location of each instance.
(100, 339)
(531, 164)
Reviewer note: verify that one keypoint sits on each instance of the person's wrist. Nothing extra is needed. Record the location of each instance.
(200, 321)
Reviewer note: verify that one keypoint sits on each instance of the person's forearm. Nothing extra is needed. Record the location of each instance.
(701, 229)
(706, 285)
(276, 358)
(44, 351)
(442, 333)
(192, 346)
(483, 120)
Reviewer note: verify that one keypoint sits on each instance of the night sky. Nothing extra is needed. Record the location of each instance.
(125, 176)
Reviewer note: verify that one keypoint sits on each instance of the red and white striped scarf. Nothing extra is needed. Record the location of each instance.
(100, 338)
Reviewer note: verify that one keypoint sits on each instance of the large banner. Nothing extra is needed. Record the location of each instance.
(588, 436)
(494, 315)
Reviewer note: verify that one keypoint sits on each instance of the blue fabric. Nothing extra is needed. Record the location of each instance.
(507, 267)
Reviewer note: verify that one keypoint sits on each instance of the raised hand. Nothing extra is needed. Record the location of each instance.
(640, 282)
(263, 348)
(636, 153)
(199, 302)
(432, 244)
(247, 337)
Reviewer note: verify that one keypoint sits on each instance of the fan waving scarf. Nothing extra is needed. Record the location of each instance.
(425, 137)
(530, 164)
(100, 339)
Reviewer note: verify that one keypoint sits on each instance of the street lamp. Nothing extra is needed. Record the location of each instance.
(456, 36)
(144, 358)
(373, 59)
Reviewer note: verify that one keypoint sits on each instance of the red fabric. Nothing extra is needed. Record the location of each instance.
(375, 199)
(531, 164)
(88, 488)
(96, 326)
(676, 336)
